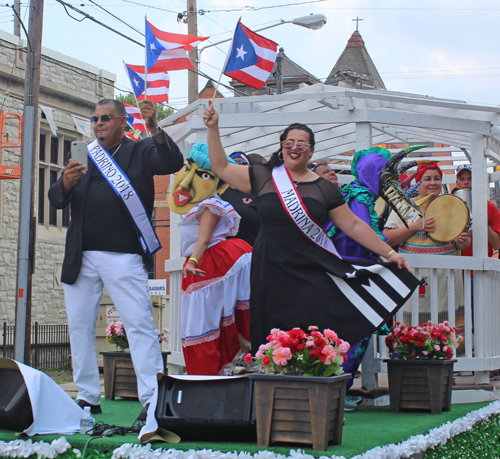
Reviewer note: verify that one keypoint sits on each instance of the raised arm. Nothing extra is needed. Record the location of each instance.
(358, 230)
(237, 176)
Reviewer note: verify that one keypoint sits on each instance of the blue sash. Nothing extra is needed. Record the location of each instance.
(126, 192)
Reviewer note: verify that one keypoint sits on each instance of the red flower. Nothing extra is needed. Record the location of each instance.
(266, 360)
(248, 358)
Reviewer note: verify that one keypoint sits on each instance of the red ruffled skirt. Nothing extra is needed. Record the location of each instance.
(215, 309)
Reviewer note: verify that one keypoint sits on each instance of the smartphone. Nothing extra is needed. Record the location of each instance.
(79, 153)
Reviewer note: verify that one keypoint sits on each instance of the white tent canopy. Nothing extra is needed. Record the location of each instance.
(253, 124)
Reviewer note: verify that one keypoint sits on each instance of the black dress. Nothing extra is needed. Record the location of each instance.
(291, 277)
(289, 284)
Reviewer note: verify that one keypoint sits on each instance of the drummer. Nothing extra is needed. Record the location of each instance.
(416, 239)
(464, 182)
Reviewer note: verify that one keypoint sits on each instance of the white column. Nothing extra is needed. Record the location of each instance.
(480, 194)
(363, 136)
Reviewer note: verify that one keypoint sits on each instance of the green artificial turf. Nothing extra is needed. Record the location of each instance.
(364, 429)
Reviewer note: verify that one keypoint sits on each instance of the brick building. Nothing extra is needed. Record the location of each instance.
(68, 93)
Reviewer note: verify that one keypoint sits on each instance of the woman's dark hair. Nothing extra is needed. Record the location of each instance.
(275, 161)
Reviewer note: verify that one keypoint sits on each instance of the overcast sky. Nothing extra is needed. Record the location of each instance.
(441, 48)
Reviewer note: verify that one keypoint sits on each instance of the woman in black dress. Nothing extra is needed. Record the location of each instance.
(291, 283)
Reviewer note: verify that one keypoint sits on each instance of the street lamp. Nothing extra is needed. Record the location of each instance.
(313, 22)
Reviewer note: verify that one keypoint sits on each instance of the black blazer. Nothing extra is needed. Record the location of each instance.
(140, 161)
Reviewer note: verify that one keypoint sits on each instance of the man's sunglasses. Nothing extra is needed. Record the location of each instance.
(104, 118)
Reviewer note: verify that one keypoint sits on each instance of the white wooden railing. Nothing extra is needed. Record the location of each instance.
(481, 350)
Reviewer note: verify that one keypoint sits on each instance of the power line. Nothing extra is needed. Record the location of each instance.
(87, 16)
(117, 18)
(149, 6)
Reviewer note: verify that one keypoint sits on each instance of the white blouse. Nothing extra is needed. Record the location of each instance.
(189, 225)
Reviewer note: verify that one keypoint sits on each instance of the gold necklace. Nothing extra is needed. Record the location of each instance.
(116, 149)
(303, 177)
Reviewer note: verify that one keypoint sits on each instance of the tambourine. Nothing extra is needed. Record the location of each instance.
(452, 217)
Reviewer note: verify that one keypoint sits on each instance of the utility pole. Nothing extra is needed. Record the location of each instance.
(192, 22)
(29, 157)
(17, 23)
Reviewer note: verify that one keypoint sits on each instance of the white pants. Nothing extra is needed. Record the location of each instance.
(126, 279)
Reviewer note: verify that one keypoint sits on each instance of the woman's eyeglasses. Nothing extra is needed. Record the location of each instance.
(104, 118)
(299, 145)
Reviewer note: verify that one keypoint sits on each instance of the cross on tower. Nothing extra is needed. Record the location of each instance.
(357, 22)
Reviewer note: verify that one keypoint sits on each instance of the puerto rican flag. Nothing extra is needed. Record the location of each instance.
(168, 51)
(134, 119)
(158, 83)
(251, 57)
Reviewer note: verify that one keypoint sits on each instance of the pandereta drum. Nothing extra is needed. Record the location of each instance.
(452, 217)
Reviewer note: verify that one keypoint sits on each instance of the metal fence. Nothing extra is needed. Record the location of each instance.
(49, 345)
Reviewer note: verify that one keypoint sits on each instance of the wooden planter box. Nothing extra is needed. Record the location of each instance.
(420, 385)
(119, 376)
(299, 409)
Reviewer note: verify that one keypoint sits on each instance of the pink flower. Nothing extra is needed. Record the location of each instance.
(259, 354)
(425, 353)
(282, 355)
(312, 328)
(437, 347)
(330, 353)
(248, 358)
(309, 343)
(344, 346)
(331, 335)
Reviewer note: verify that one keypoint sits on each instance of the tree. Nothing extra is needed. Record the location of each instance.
(162, 111)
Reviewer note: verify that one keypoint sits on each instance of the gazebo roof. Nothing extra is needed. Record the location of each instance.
(345, 120)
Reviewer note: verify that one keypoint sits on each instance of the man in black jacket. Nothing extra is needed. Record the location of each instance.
(110, 242)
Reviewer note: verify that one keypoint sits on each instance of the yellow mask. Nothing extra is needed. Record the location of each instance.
(191, 185)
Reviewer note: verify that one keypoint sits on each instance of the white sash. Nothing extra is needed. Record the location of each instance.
(124, 189)
(296, 210)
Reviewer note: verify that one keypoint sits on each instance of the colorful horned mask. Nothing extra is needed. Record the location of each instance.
(195, 182)
(391, 188)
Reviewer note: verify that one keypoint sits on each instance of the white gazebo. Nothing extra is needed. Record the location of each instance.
(346, 120)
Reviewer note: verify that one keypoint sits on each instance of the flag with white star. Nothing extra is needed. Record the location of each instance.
(168, 51)
(251, 57)
(158, 83)
(136, 81)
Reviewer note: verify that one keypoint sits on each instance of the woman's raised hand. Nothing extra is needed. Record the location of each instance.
(210, 116)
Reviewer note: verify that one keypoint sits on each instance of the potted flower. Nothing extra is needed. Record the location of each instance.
(421, 366)
(120, 379)
(299, 397)
(115, 334)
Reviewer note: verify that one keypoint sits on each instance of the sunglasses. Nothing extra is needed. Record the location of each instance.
(104, 118)
(299, 145)
(241, 162)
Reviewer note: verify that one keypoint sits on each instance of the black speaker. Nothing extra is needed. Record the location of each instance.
(15, 405)
(214, 409)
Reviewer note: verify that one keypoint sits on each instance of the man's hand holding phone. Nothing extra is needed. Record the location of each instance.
(77, 165)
